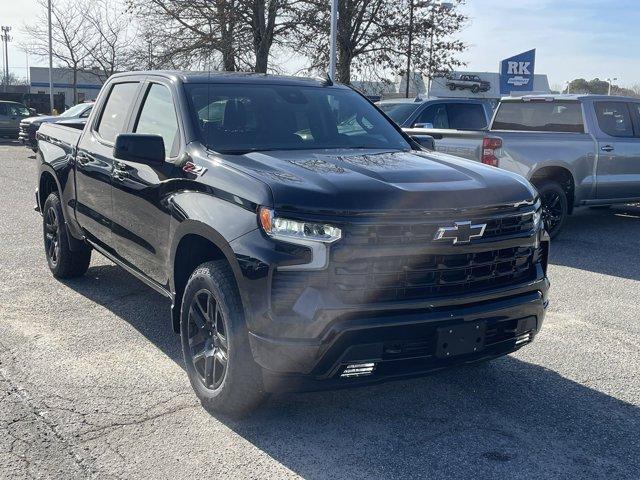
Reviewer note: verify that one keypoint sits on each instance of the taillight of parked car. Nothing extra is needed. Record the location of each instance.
(490, 145)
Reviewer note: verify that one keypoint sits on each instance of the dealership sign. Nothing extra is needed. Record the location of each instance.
(516, 73)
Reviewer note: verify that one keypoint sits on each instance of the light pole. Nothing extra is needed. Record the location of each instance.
(406, 92)
(333, 39)
(609, 80)
(6, 38)
(446, 6)
(568, 86)
(50, 60)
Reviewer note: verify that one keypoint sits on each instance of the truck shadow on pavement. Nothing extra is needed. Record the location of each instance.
(601, 241)
(502, 419)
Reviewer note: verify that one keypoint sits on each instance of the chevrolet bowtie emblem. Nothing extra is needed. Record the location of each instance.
(461, 232)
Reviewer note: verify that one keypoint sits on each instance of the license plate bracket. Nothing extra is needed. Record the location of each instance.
(460, 339)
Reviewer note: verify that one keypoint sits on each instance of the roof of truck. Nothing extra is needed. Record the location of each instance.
(185, 76)
(568, 97)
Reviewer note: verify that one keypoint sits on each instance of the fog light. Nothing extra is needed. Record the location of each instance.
(358, 370)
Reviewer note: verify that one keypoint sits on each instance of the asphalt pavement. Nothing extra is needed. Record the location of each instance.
(92, 382)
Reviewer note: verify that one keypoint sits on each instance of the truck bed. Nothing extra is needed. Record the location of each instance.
(58, 135)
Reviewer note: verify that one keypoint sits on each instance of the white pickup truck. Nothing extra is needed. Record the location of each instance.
(576, 149)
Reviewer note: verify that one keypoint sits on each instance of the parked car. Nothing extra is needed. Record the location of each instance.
(439, 113)
(468, 82)
(11, 113)
(576, 149)
(304, 240)
(29, 126)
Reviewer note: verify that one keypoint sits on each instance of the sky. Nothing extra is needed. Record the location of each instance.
(572, 38)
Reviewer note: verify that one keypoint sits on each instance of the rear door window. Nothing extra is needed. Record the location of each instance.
(614, 119)
(466, 116)
(539, 116)
(116, 110)
(435, 115)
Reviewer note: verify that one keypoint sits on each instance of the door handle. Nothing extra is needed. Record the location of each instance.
(120, 170)
(82, 159)
(607, 148)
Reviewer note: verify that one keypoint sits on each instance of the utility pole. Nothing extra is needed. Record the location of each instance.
(6, 38)
(333, 40)
(50, 60)
(406, 91)
(446, 6)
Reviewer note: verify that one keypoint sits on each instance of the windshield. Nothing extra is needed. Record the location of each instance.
(399, 112)
(74, 111)
(247, 117)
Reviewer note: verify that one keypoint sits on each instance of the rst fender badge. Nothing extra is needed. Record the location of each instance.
(191, 167)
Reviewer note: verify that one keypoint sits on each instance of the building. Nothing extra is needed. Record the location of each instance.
(89, 83)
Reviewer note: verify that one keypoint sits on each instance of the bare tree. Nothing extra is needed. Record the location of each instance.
(71, 33)
(374, 34)
(110, 45)
(231, 34)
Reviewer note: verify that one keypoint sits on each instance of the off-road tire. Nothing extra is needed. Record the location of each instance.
(62, 262)
(241, 388)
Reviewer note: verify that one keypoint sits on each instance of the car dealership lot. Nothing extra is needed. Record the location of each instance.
(92, 385)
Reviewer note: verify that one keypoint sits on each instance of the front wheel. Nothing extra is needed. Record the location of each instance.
(215, 342)
(555, 206)
(62, 261)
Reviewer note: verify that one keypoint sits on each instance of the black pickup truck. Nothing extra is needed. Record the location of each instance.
(304, 240)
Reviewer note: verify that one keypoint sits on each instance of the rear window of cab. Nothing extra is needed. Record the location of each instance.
(540, 116)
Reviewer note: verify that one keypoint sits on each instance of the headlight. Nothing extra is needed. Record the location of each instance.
(315, 236)
(295, 230)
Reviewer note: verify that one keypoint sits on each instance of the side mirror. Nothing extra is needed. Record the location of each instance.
(32, 112)
(139, 148)
(425, 141)
(423, 125)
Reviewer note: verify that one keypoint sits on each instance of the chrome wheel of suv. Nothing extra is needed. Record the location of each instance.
(208, 339)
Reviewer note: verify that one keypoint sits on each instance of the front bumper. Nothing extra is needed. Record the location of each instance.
(27, 137)
(399, 343)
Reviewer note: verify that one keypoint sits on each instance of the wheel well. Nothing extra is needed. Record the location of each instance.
(47, 185)
(560, 175)
(192, 251)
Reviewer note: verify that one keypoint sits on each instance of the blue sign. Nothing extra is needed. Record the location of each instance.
(516, 73)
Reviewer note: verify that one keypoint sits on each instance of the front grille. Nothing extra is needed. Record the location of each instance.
(424, 233)
(409, 277)
(401, 261)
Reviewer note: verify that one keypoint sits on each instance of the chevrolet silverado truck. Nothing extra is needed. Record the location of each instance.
(576, 149)
(304, 240)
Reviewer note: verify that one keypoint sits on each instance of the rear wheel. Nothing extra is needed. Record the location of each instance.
(475, 88)
(555, 206)
(215, 342)
(62, 262)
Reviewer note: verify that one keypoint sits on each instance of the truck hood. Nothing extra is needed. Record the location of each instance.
(347, 182)
(40, 119)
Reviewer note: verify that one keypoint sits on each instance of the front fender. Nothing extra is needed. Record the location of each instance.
(213, 218)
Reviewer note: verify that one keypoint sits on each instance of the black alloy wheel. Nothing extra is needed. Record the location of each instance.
(207, 335)
(555, 206)
(52, 236)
